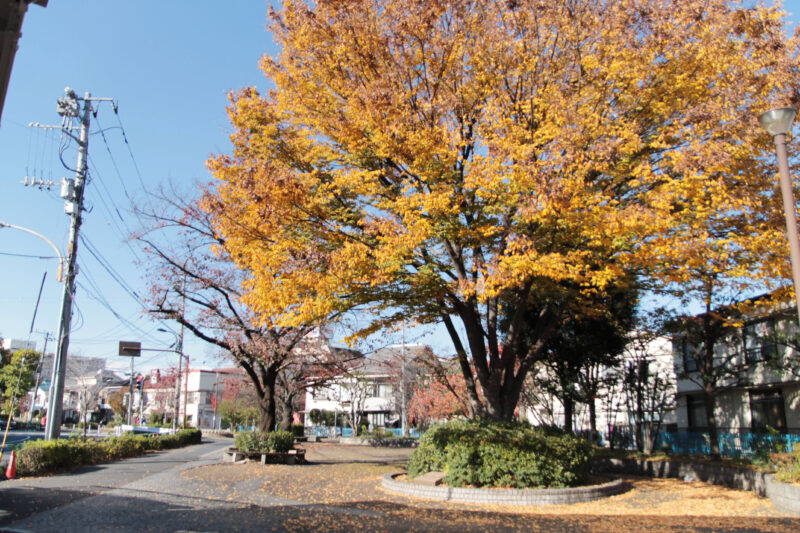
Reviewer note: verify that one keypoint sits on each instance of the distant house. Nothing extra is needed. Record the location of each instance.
(373, 387)
(200, 393)
(646, 354)
(80, 372)
(754, 397)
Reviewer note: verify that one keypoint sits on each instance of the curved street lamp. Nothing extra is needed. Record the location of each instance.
(179, 349)
(778, 123)
(60, 273)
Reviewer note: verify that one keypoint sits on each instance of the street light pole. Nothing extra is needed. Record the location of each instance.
(60, 272)
(179, 348)
(778, 122)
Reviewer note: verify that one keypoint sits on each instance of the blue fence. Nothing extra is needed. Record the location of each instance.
(730, 444)
(321, 431)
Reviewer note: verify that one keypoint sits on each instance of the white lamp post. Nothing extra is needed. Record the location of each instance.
(778, 122)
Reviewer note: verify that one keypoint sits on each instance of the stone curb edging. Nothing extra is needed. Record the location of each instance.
(386, 443)
(505, 496)
(785, 497)
(729, 476)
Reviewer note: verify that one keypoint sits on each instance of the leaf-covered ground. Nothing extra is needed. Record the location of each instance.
(345, 494)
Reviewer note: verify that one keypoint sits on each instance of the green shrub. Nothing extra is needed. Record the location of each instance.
(487, 453)
(250, 441)
(258, 441)
(125, 446)
(190, 436)
(280, 441)
(298, 430)
(40, 456)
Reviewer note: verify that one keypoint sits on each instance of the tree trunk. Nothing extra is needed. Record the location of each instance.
(568, 410)
(266, 408)
(286, 411)
(592, 420)
(266, 403)
(709, 393)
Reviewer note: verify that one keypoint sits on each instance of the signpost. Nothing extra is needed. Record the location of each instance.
(130, 349)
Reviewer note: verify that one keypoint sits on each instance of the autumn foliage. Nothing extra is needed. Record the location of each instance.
(454, 160)
(435, 400)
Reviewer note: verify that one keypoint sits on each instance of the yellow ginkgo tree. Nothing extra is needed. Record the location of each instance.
(453, 161)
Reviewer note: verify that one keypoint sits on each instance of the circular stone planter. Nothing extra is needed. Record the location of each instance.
(505, 496)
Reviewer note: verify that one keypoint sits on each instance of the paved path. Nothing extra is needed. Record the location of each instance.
(190, 490)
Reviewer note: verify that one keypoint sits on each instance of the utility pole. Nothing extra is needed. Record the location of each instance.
(69, 107)
(130, 396)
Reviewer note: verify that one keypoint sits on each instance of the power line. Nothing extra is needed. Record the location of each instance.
(29, 255)
(130, 151)
(106, 265)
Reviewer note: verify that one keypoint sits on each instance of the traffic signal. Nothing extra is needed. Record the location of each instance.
(139, 381)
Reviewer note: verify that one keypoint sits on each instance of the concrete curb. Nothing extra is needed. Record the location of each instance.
(729, 476)
(785, 497)
(505, 496)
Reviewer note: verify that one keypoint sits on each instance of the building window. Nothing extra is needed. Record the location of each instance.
(690, 352)
(766, 409)
(696, 411)
(377, 419)
(759, 341)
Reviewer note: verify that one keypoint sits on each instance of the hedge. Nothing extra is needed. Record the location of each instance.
(41, 456)
(259, 441)
(501, 454)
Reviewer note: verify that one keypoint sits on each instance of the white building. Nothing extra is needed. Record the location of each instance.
(201, 391)
(648, 360)
(372, 390)
(753, 395)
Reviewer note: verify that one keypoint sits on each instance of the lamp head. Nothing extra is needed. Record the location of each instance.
(778, 121)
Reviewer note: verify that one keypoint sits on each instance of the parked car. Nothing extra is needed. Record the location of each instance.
(4, 420)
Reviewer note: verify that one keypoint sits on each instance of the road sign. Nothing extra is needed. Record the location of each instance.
(130, 349)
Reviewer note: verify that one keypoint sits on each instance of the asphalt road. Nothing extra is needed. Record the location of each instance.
(130, 495)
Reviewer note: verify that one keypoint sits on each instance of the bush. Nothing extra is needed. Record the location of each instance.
(260, 442)
(40, 456)
(280, 441)
(125, 446)
(488, 453)
(251, 441)
(298, 430)
(190, 436)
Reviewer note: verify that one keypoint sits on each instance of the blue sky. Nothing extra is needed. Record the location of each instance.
(169, 65)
